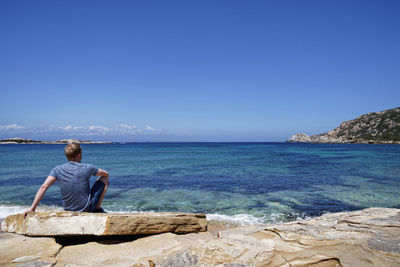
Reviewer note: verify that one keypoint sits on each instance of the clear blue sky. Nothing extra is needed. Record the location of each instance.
(194, 70)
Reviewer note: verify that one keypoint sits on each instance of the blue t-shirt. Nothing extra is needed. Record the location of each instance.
(74, 179)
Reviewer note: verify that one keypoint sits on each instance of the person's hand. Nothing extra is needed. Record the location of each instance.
(26, 212)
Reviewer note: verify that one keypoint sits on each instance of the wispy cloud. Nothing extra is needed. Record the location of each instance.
(149, 128)
(71, 128)
(98, 128)
(11, 127)
(127, 127)
(122, 129)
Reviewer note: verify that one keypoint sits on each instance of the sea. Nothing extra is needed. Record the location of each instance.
(240, 183)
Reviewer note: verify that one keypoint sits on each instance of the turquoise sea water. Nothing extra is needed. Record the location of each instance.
(240, 182)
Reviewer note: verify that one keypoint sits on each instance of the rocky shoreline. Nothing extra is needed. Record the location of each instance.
(369, 237)
(17, 140)
(325, 139)
(381, 127)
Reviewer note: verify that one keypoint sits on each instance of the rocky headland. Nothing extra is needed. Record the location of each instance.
(17, 140)
(369, 237)
(381, 127)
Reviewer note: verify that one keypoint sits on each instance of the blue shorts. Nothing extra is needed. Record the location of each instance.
(95, 194)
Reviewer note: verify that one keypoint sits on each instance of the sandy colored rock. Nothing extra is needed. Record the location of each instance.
(18, 249)
(140, 252)
(369, 237)
(103, 224)
(363, 238)
(122, 254)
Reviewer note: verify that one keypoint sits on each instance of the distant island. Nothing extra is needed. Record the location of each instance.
(381, 127)
(17, 140)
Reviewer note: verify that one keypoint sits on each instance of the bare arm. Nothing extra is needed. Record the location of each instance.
(40, 193)
(102, 173)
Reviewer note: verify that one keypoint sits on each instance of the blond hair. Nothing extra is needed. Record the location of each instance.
(72, 150)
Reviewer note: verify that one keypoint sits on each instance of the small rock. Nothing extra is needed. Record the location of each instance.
(25, 258)
(299, 138)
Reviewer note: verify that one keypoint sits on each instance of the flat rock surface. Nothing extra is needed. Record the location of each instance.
(18, 249)
(103, 224)
(369, 237)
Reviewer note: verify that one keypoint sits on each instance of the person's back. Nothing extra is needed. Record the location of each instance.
(74, 179)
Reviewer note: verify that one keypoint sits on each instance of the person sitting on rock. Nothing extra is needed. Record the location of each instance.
(74, 180)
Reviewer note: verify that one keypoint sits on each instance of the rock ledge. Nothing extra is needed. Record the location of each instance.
(103, 224)
(369, 237)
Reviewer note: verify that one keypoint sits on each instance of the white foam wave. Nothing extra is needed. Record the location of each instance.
(6, 210)
(9, 210)
(247, 219)
(123, 211)
(241, 219)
